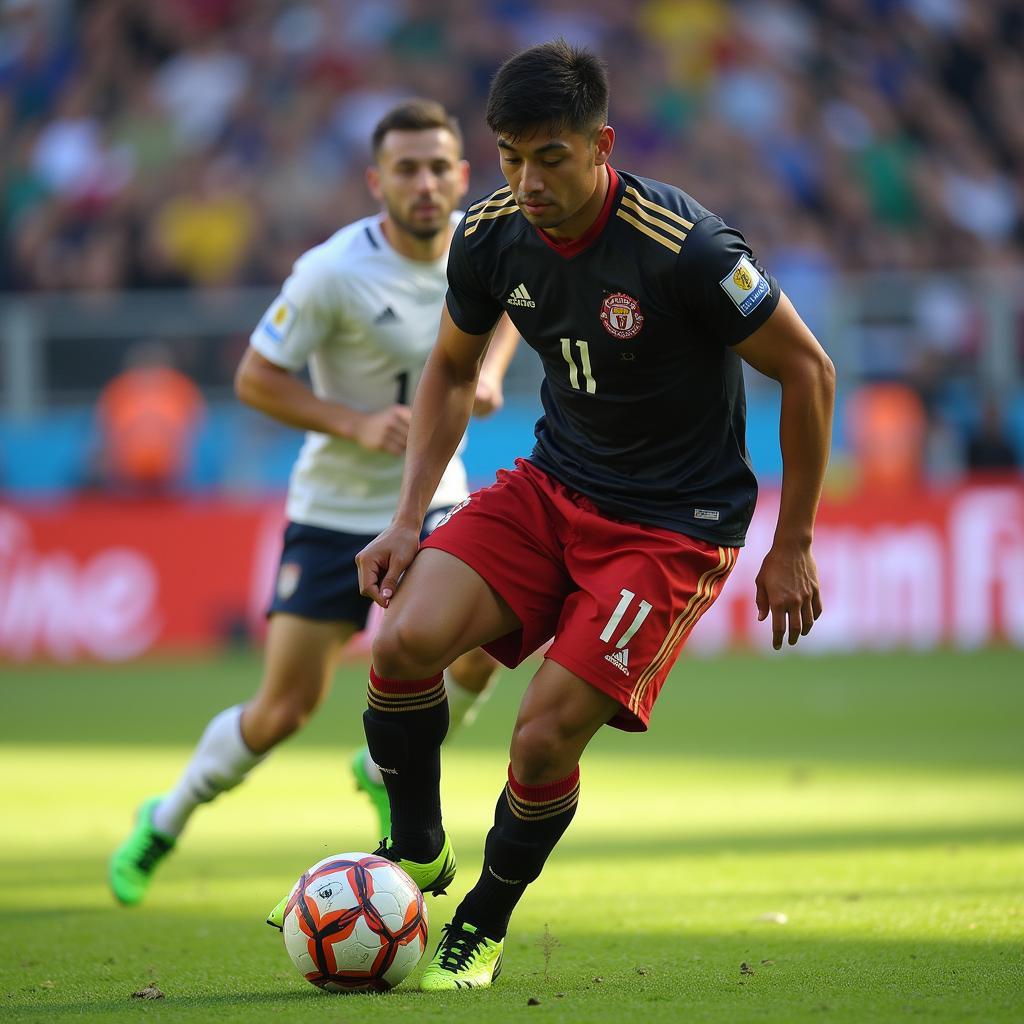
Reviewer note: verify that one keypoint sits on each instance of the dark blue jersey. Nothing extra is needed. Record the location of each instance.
(644, 410)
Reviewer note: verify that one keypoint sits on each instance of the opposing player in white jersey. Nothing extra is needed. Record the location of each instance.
(361, 310)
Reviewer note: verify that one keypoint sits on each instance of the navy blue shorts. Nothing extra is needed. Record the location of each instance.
(317, 575)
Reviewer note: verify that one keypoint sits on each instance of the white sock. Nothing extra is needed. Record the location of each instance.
(463, 704)
(220, 761)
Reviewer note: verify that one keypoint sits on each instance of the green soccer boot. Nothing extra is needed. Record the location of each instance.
(276, 917)
(435, 876)
(464, 959)
(374, 790)
(132, 864)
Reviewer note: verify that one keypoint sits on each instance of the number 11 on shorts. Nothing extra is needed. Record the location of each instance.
(615, 621)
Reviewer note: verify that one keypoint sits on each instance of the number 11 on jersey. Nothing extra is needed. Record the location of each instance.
(574, 373)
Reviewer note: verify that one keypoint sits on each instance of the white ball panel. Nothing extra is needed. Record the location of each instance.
(390, 908)
(352, 954)
(407, 957)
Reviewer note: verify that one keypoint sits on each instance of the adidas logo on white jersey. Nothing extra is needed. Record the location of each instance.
(388, 316)
(620, 659)
(521, 297)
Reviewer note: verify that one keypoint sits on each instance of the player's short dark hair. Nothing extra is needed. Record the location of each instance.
(551, 85)
(415, 115)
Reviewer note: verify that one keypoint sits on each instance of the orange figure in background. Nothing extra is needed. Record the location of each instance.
(147, 416)
(888, 427)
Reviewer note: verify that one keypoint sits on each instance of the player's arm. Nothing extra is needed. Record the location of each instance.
(784, 349)
(299, 321)
(440, 412)
(277, 393)
(490, 396)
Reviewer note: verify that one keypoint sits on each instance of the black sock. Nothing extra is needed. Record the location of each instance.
(405, 723)
(528, 822)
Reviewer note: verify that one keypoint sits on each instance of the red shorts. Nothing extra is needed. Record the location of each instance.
(619, 598)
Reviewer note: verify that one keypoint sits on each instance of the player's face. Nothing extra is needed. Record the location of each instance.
(419, 178)
(556, 177)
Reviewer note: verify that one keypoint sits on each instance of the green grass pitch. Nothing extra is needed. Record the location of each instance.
(877, 802)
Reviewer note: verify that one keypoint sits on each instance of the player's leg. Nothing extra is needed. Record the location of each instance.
(299, 659)
(489, 576)
(640, 590)
(612, 653)
(468, 682)
(558, 717)
(300, 656)
(316, 605)
(442, 609)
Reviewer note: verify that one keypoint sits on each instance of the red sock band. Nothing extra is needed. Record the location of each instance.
(404, 685)
(548, 791)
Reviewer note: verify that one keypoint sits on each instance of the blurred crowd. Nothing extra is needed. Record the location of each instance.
(204, 143)
(207, 142)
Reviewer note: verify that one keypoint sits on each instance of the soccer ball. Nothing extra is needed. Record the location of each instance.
(355, 923)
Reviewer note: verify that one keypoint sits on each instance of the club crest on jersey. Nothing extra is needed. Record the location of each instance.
(621, 316)
(288, 579)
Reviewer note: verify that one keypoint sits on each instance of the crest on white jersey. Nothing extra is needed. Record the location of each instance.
(279, 319)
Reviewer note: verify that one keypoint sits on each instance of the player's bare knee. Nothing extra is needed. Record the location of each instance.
(403, 650)
(539, 753)
(268, 722)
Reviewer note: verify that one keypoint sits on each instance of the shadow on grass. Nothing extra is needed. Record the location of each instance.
(637, 976)
(273, 856)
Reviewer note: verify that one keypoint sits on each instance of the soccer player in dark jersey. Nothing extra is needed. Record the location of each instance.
(618, 531)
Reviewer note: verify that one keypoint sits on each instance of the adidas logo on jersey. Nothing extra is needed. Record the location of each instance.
(389, 316)
(521, 297)
(620, 659)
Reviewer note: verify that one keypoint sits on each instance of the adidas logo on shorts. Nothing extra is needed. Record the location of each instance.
(620, 659)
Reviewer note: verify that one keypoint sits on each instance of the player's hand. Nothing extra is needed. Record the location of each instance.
(385, 431)
(381, 563)
(489, 397)
(787, 589)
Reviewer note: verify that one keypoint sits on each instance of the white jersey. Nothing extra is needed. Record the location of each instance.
(365, 319)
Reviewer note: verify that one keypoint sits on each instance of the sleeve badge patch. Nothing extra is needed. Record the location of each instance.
(279, 319)
(745, 286)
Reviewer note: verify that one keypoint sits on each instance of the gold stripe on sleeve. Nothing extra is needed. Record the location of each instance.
(649, 218)
(478, 217)
(661, 211)
(630, 219)
(490, 199)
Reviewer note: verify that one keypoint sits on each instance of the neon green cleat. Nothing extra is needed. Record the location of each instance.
(374, 790)
(276, 917)
(434, 876)
(132, 864)
(464, 959)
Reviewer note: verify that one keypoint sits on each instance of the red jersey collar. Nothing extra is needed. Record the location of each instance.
(574, 246)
